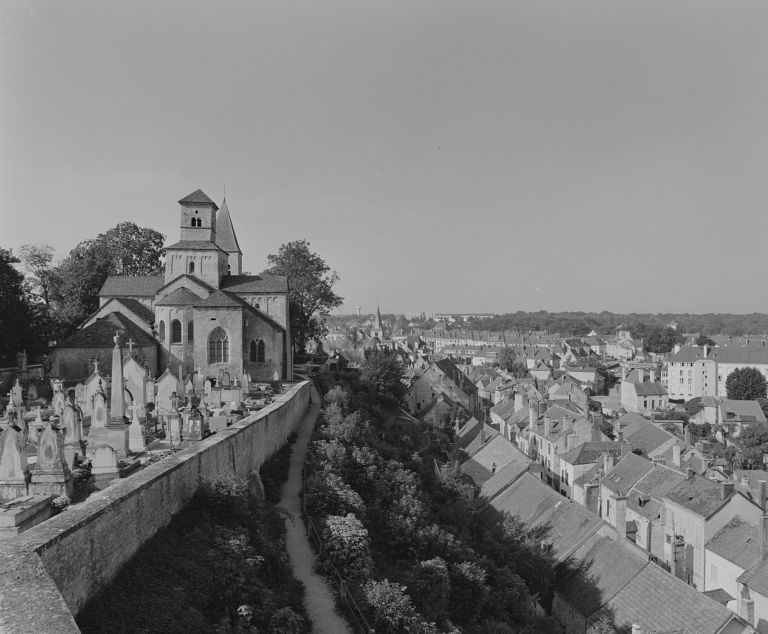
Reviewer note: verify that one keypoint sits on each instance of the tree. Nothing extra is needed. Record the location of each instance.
(506, 358)
(310, 290)
(755, 441)
(17, 315)
(74, 285)
(37, 260)
(383, 372)
(745, 384)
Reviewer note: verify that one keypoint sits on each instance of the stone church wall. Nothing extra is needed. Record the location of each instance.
(83, 548)
(76, 364)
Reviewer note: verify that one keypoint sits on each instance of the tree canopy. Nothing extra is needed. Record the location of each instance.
(382, 371)
(18, 317)
(73, 286)
(311, 296)
(745, 384)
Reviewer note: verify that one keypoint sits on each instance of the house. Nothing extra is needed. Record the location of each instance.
(641, 395)
(493, 457)
(580, 460)
(696, 509)
(444, 377)
(202, 314)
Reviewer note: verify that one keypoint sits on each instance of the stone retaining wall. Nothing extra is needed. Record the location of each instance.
(81, 550)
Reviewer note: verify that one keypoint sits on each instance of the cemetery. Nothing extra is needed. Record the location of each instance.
(139, 452)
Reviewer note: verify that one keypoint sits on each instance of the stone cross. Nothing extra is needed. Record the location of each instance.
(131, 342)
(96, 365)
(135, 408)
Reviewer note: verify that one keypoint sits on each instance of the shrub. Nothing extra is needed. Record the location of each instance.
(346, 540)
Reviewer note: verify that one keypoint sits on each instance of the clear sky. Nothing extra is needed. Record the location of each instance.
(440, 155)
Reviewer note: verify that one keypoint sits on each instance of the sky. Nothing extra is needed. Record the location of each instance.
(474, 156)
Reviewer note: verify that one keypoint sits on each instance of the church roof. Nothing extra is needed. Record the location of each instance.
(132, 285)
(255, 283)
(179, 297)
(137, 307)
(199, 245)
(197, 197)
(225, 231)
(220, 299)
(100, 334)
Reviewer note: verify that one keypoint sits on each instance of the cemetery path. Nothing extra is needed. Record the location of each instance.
(318, 599)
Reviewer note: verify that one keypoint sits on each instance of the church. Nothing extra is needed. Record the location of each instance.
(202, 314)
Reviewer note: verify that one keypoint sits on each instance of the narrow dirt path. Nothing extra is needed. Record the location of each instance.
(318, 598)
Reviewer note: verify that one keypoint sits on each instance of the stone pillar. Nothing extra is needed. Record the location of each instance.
(175, 436)
(73, 434)
(117, 401)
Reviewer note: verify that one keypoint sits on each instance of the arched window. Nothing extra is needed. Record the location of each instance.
(260, 351)
(253, 352)
(175, 331)
(161, 331)
(218, 346)
(194, 222)
(190, 332)
(191, 266)
(199, 222)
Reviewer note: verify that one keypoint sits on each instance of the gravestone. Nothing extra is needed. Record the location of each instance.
(58, 403)
(73, 434)
(166, 387)
(136, 440)
(104, 431)
(181, 386)
(175, 434)
(32, 392)
(275, 376)
(93, 384)
(193, 425)
(104, 465)
(17, 397)
(245, 382)
(136, 383)
(14, 470)
(80, 397)
(50, 475)
(224, 379)
(208, 386)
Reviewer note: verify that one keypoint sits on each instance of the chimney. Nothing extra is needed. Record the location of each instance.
(621, 518)
(726, 488)
(687, 436)
(531, 417)
(616, 428)
(706, 350)
(547, 426)
(676, 456)
(636, 629)
(689, 473)
(677, 348)
(653, 376)
(607, 462)
(482, 433)
(518, 401)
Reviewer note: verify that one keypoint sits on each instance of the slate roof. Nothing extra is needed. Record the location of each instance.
(626, 474)
(687, 354)
(221, 299)
(606, 567)
(480, 439)
(660, 602)
(732, 411)
(504, 477)
(467, 433)
(756, 577)
(567, 524)
(137, 307)
(499, 451)
(738, 354)
(255, 283)
(648, 437)
(197, 245)
(132, 285)
(457, 376)
(198, 197)
(504, 409)
(179, 297)
(738, 542)
(225, 231)
(100, 334)
(649, 388)
(590, 452)
(699, 495)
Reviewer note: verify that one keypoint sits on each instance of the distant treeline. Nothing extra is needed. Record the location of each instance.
(580, 323)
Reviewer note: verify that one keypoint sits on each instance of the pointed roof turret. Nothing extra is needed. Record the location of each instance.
(198, 197)
(225, 231)
(378, 324)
